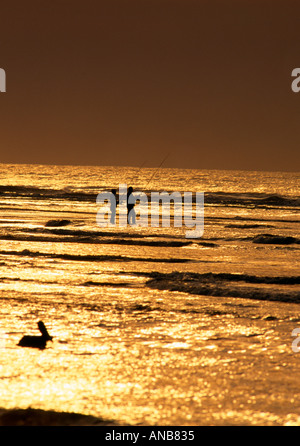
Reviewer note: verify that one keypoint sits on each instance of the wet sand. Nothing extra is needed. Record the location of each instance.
(38, 417)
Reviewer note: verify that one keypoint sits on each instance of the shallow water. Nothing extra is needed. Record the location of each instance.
(149, 348)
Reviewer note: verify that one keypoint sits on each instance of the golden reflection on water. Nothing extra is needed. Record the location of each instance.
(141, 355)
(151, 371)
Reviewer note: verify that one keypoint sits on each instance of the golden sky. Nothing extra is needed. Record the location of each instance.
(124, 82)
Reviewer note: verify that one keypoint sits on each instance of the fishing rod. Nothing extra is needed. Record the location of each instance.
(137, 173)
(157, 169)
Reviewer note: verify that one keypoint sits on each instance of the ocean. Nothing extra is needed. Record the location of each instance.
(151, 327)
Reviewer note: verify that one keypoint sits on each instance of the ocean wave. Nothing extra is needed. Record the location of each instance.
(42, 193)
(223, 285)
(55, 223)
(275, 239)
(108, 284)
(92, 258)
(98, 239)
(248, 226)
(138, 308)
(224, 277)
(219, 198)
(251, 199)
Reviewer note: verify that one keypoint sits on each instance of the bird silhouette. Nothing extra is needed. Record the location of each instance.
(36, 341)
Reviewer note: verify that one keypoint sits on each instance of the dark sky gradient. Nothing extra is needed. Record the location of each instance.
(124, 82)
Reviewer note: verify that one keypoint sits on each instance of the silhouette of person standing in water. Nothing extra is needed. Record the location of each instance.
(130, 207)
(113, 206)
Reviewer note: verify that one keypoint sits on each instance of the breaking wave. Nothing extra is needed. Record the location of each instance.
(252, 199)
(275, 239)
(93, 237)
(229, 285)
(222, 277)
(92, 258)
(218, 198)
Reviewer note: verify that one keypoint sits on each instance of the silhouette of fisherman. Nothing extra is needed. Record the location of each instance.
(113, 206)
(130, 207)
